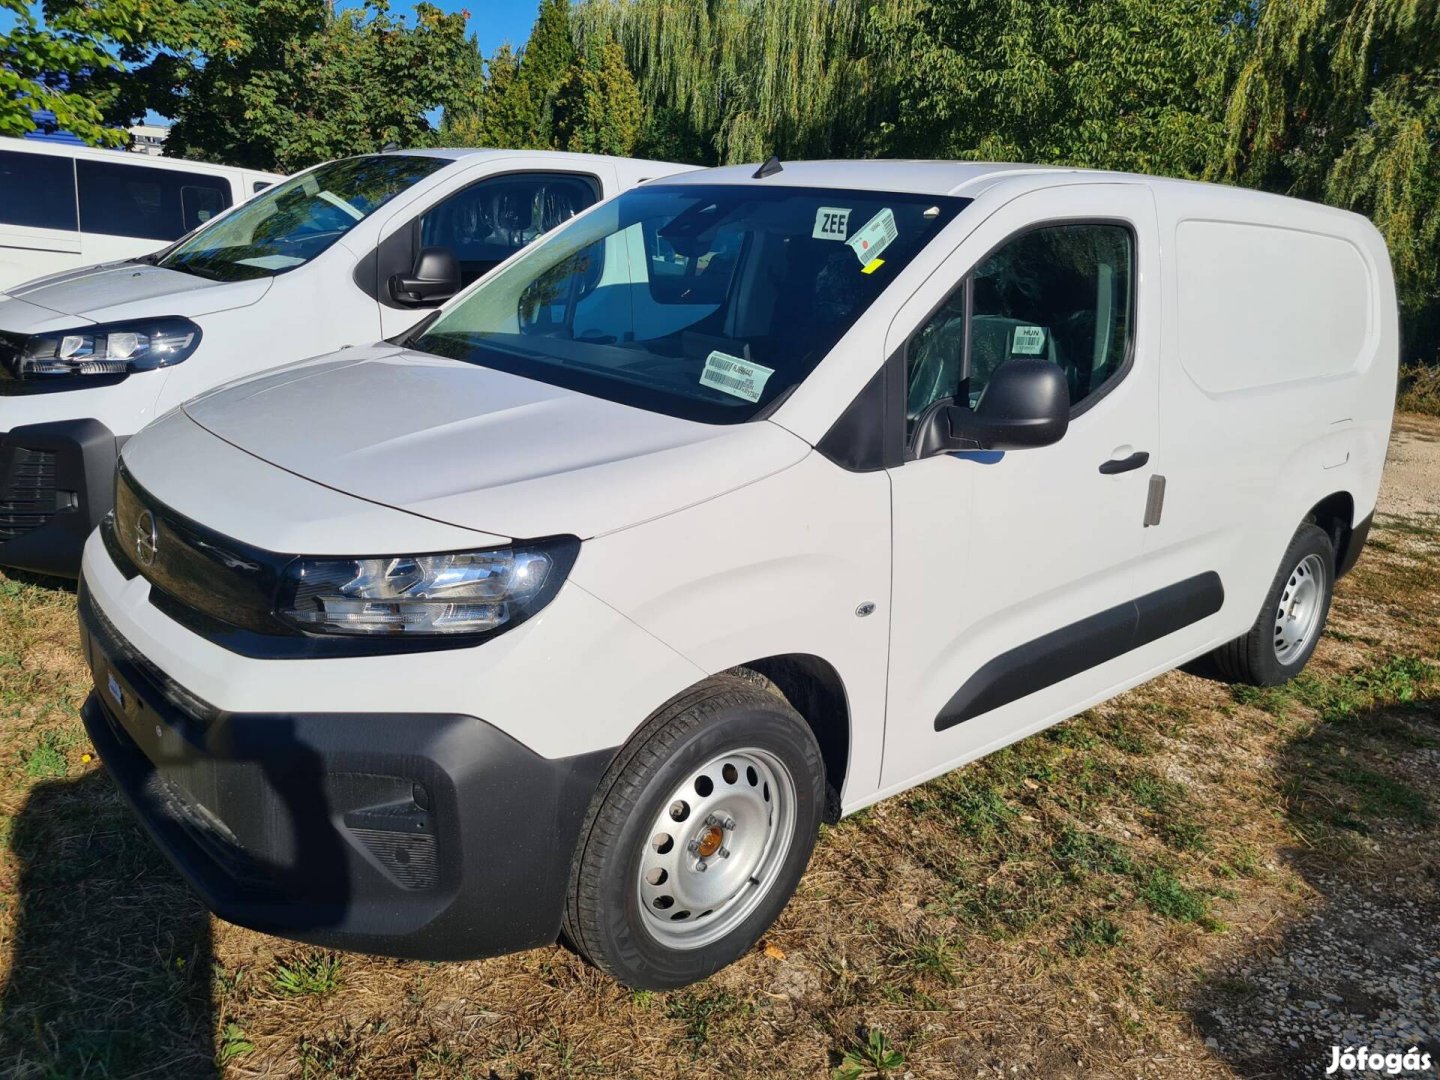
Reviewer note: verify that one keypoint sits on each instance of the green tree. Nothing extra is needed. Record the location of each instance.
(597, 106)
(544, 63)
(277, 84)
(40, 67)
(1340, 100)
(1127, 84)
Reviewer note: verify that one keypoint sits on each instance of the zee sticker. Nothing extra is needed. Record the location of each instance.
(1028, 341)
(831, 223)
(874, 236)
(734, 376)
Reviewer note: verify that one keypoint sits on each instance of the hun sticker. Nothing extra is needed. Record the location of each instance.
(831, 223)
(874, 236)
(1028, 341)
(736, 377)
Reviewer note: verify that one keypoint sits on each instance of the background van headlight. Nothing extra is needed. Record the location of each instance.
(469, 592)
(106, 349)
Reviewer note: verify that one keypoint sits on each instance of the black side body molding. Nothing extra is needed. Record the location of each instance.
(1082, 645)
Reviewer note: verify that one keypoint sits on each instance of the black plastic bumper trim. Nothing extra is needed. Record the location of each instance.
(1082, 645)
(85, 453)
(415, 835)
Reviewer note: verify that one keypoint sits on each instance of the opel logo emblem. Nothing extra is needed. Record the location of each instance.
(147, 538)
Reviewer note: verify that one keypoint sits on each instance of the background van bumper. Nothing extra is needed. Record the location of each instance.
(426, 836)
(57, 481)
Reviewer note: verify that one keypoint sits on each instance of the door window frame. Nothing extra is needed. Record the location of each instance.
(396, 253)
(967, 283)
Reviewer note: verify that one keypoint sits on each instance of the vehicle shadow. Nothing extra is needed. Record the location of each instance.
(110, 968)
(1362, 796)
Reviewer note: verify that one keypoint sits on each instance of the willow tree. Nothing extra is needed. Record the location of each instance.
(741, 79)
(1340, 100)
(1128, 84)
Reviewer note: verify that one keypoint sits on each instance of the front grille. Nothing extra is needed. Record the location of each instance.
(28, 494)
(192, 569)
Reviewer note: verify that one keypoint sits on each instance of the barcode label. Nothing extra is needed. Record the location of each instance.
(734, 376)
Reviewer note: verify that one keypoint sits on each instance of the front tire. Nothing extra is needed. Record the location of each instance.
(1292, 618)
(697, 836)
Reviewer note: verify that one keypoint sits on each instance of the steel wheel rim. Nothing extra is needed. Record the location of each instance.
(741, 803)
(1297, 616)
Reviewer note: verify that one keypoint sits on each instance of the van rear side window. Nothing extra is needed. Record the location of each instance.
(1260, 305)
(148, 203)
(37, 190)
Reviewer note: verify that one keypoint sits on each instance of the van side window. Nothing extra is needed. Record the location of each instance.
(37, 190)
(1060, 293)
(148, 203)
(489, 221)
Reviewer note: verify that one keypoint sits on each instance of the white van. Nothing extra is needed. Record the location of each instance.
(347, 253)
(737, 503)
(67, 206)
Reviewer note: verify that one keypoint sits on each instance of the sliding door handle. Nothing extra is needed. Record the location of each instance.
(1118, 465)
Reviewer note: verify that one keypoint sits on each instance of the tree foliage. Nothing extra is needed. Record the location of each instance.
(39, 67)
(597, 108)
(277, 84)
(1340, 100)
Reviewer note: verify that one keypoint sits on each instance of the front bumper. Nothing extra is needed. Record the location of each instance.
(56, 484)
(426, 836)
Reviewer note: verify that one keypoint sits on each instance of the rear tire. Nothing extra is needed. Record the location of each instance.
(1291, 620)
(727, 777)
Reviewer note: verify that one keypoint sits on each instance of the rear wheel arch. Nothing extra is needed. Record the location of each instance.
(1335, 514)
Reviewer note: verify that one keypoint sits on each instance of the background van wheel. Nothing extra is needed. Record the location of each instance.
(1292, 618)
(697, 836)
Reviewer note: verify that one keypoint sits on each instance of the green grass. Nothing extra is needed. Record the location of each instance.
(702, 1010)
(310, 975)
(1164, 894)
(1091, 933)
(930, 955)
(46, 759)
(873, 1056)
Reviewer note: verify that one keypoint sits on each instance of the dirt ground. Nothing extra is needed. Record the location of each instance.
(1192, 880)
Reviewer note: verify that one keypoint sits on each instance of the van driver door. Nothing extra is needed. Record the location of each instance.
(1017, 574)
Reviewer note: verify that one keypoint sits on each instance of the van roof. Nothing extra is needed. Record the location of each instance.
(967, 178)
(459, 153)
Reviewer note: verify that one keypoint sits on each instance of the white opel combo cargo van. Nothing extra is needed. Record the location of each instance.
(348, 253)
(736, 503)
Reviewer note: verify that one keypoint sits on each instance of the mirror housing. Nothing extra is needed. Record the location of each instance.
(1025, 404)
(434, 277)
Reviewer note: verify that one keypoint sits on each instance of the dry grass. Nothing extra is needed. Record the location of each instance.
(1067, 907)
(1420, 389)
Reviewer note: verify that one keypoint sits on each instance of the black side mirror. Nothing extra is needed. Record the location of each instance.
(434, 277)
(1026, 403)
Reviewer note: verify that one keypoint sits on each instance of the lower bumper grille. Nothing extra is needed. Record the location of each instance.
(28, 491)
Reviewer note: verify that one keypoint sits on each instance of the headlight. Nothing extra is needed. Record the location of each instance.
(471, 592)
(111, 349)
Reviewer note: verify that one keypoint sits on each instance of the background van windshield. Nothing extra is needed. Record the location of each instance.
(704, 302)
(289, 224)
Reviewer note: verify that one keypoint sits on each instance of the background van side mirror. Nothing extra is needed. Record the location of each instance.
(1026, 403)
(434, 277)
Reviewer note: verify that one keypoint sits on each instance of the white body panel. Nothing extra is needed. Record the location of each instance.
(711, 547)
(30, 251)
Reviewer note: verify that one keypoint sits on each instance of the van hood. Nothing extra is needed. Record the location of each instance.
(123, 290)
(484, 449)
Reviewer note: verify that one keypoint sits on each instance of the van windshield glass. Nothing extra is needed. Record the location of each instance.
(289, 224)
(707, 302)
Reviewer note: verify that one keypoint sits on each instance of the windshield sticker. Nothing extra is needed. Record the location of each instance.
(339, 203)
(736, 377)
(831, 223)
(872, 266)
(1028, 341)
(874, 236)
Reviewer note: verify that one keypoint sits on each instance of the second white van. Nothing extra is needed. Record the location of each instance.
(349, 252)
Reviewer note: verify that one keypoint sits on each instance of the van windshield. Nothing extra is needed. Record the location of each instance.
(706, 302)
(289, 224)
